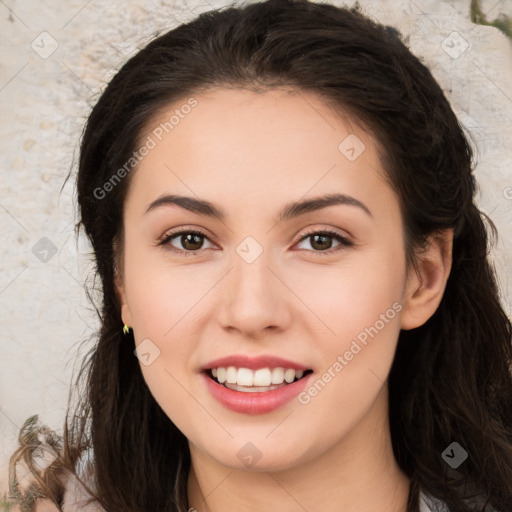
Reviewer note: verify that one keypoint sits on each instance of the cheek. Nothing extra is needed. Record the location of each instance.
(363, 289)
(159, 293)
(360, 304)
(162, 315)
(161, 306)
(168, 382)
(341, 299)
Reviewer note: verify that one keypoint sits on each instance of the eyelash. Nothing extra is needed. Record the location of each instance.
(344, 242)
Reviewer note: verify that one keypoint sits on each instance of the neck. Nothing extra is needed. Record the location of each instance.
(357, 474)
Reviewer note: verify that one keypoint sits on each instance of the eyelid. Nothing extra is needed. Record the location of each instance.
(344, 241)
(165, 239)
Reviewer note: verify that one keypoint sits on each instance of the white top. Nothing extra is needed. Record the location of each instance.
(431, 504)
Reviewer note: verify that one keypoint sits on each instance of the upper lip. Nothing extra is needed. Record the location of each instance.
(253, 363)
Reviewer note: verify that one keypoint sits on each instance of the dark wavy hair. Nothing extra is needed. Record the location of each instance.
(451, 378)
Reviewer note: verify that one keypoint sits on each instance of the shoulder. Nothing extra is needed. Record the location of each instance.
(76, 495)
(430, 504)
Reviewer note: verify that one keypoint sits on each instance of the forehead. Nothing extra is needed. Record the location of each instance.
(236, 144)
(290, 113)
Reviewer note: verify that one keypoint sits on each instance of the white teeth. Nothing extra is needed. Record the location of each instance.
(253, 389)
(277, 375)
(244, 377)
(289, 375)
(221, 375)
(260, 378)
(231, 375)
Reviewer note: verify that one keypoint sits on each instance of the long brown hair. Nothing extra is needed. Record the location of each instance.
(451, 378)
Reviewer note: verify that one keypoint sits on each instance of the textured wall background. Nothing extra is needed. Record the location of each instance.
(54, 62)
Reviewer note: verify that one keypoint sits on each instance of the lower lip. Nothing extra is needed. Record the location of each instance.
(255, 403)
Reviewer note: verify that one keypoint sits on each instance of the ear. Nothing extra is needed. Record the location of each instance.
(426, 284)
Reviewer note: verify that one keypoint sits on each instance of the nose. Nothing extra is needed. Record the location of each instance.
(255, 299)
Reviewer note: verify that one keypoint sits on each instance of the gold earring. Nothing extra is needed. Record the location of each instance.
(126, 329)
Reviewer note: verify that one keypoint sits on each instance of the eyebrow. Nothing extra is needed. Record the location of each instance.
(291, 210)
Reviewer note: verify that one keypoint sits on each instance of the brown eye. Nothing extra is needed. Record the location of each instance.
(321, 241)
(191, 241)
(187, 242)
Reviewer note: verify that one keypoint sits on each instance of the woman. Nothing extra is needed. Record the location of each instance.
(298, 308)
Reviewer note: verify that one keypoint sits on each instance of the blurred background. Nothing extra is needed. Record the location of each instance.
(54, 62)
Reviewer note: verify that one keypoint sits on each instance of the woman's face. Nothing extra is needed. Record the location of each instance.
(255, 285)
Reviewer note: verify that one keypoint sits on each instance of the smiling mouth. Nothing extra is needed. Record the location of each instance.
(263, 380)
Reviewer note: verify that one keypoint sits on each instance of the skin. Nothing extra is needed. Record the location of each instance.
(250, 154)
